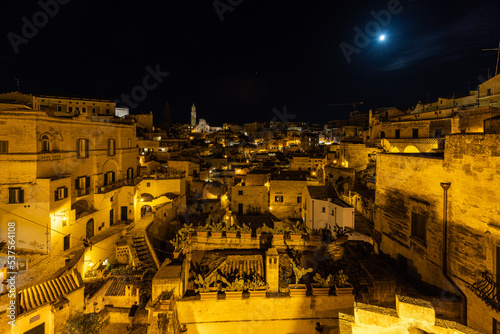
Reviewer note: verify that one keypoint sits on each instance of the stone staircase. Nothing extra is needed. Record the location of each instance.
(142, 251)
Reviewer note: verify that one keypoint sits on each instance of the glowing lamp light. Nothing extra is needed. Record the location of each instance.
(381, 38)
(142, 199)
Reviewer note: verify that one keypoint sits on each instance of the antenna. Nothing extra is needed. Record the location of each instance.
(17, 84)
(498, 56)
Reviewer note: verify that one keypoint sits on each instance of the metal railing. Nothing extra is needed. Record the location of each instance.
(118, 184)
(487, 290)
(83, 192)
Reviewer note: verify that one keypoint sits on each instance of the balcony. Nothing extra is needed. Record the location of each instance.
(133, 182)
(49, 156)
(118, 184)
(83, 192)
(166, 175)
(487, 290)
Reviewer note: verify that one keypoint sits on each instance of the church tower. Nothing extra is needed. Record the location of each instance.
(193, 115)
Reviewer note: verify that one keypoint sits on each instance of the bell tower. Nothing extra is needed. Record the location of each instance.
(193, 115)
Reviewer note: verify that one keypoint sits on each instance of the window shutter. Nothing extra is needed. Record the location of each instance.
(56, 195)
(112, 177)
(77, 183)
(86, 148)
(87, 181)
(12, 196)
(65, 192)
(78, 153)
(21, 195)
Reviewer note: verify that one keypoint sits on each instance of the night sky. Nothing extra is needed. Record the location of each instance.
(262, 55)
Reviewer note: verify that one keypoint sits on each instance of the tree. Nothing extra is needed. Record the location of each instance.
(80, 323)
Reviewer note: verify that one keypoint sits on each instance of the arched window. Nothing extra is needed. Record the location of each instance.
(45, 143)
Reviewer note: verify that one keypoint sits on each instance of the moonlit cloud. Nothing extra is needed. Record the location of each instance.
(467, 34)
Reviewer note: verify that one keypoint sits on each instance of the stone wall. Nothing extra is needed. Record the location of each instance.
(356, 155)
(290, 190)
(411, 183)
(333, 174)
(254, 199)
(410, 316)
(261, 315)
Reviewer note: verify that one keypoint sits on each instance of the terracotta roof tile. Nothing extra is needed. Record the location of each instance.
(37, 295)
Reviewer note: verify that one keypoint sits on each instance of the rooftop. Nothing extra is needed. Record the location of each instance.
(290, 175)
(37, 295)
(326, 194)
(118, 284)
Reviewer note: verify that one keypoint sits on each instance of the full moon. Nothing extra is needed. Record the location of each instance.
(382, 37)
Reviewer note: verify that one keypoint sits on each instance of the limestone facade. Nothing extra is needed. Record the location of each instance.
(409, 215)
(70, 177)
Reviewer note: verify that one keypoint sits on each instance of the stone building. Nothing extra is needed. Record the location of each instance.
(66, 175)
(250, 197)
(322, 208)
(286, 193)
(45, 308)
(311, 163)
(410, 210)
(356, 155)
(422, 128)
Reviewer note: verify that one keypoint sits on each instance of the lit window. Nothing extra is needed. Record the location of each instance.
(61, 193)
(16, 195)
(278, 199)
(82, 183)
(109, 178)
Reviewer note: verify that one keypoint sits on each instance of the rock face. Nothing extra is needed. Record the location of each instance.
(408, 187)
